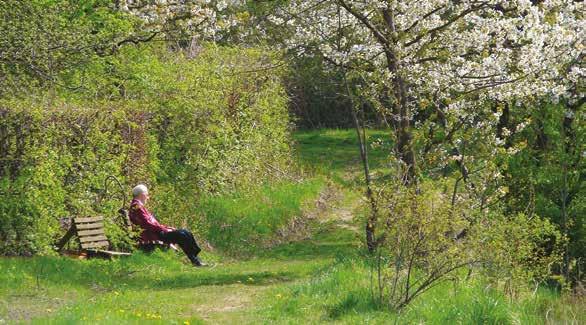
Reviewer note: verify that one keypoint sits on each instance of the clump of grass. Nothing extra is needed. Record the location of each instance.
(340, 293)
(240, 222)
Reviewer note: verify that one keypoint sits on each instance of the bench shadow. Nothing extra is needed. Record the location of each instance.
(190, 280)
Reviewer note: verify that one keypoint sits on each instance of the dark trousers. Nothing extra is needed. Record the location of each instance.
(185, 240)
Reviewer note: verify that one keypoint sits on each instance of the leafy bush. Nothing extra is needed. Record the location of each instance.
(427, 237)
(521, 250)
(186, 127)
(420, 244)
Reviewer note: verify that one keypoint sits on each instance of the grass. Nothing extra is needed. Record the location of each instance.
(241, 222)
(321, 278)
(335, 153)
(344, 293)
(158, 287)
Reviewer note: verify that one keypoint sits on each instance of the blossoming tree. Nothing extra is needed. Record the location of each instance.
(195, 18)
(452, 54)
(460, 60)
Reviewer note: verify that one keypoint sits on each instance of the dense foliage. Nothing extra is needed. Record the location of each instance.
(186, 127)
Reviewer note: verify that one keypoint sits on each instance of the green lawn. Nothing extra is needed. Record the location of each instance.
(335, 152)
(162, 286)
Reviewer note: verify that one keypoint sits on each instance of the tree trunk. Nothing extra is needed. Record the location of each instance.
(401, 112)
(402, 124)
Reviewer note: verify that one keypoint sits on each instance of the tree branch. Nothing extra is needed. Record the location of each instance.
(364, 20)
(445, 25)
(408, 29)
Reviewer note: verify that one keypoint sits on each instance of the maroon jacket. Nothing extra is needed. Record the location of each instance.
(141, 217)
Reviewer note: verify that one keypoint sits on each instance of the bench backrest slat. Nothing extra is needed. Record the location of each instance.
(90, 231)
(96, 225)
(87, 239)
(88, 219)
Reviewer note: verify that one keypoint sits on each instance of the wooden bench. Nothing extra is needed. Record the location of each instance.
(92, 238)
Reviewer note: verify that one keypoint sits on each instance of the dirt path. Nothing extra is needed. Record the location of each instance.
(334, 230)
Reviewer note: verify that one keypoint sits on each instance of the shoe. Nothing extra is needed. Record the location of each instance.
(198, 263)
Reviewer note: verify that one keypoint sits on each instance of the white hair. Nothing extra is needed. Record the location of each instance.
(139, 189)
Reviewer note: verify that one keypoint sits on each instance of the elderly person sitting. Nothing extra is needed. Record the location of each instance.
(153, 231)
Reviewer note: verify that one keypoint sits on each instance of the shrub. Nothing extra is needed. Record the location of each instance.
(419, 247)
(186, 127)
(426, 238)
(520, 250)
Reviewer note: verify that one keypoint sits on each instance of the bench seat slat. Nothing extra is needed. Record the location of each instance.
(89, 226)
(92, 239)
(110, 253)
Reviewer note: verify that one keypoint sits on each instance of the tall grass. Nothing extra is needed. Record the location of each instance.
(242, 222)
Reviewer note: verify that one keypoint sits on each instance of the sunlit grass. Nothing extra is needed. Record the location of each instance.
(346, 293)
(240, 222)
(161, 286)
(335, 152)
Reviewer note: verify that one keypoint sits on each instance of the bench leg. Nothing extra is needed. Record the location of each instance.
(66, 238)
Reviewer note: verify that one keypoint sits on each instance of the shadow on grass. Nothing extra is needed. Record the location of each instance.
(164, 270)
(104, 276)
(353, 303)
(187, 280)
